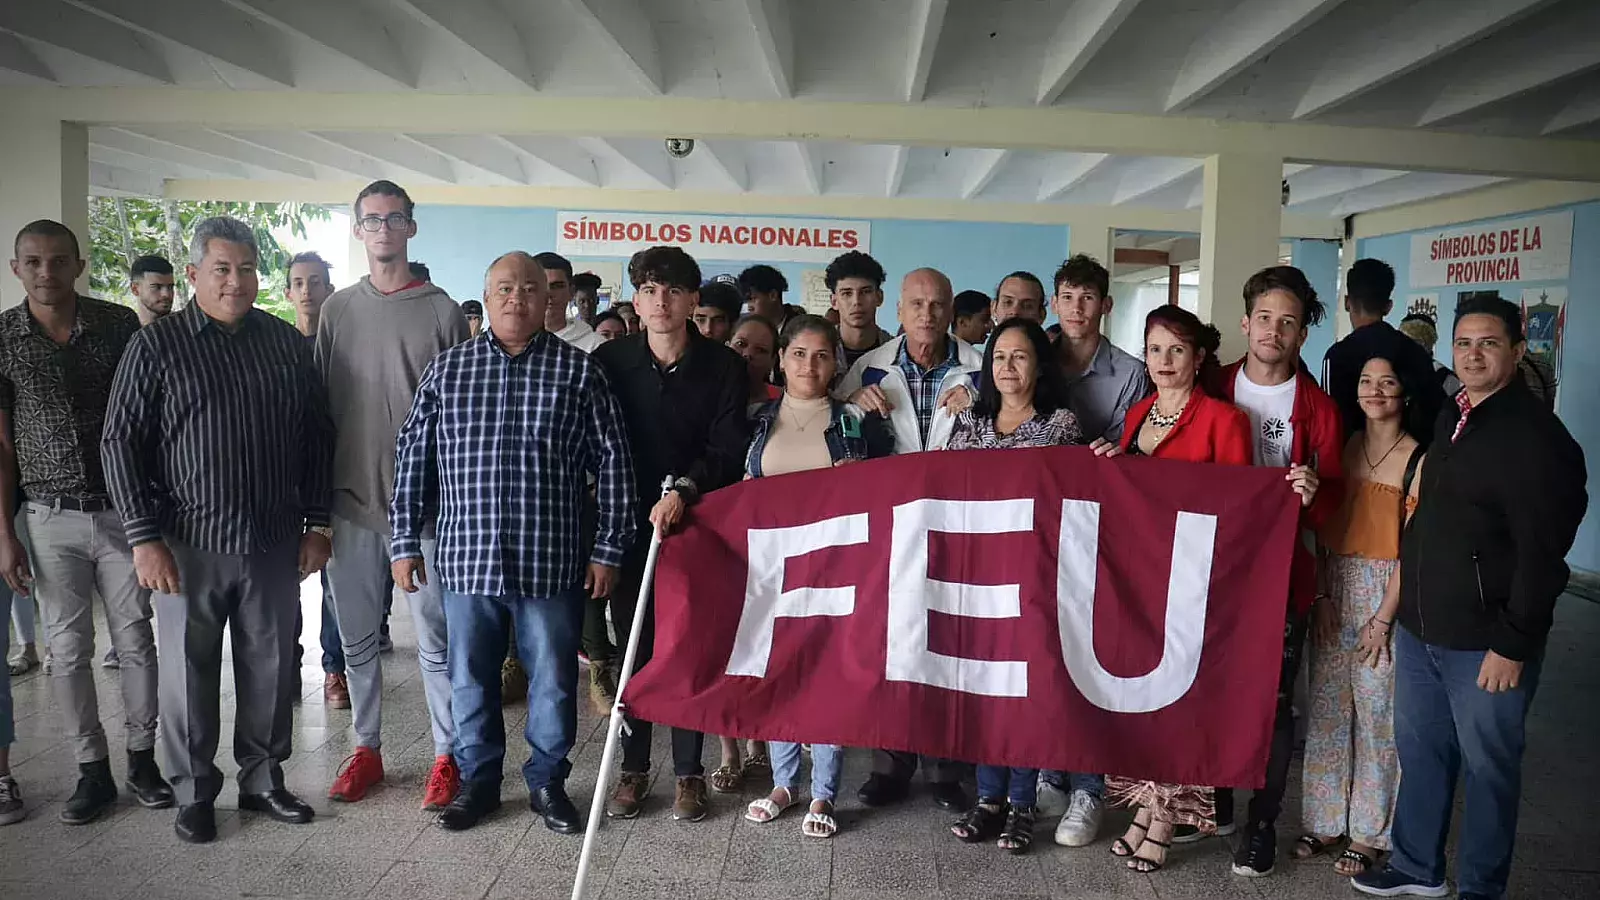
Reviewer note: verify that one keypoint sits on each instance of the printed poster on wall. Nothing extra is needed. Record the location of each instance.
(1423, 305)
(814, 293)
(755, 239)
(1544, 314)
(1532, 248)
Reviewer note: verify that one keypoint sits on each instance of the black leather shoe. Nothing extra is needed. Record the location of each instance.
(95, 796)
(882, 790)
(469, 808)
(197, 823)
(145, 782)
(280, 805)
(552, 802)
(949, 795)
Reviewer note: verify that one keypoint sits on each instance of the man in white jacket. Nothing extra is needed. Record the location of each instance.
(903, 381)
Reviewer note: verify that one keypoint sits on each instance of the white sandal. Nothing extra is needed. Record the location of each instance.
(764, 810)
(819, 825)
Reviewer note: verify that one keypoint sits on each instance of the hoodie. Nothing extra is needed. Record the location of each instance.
(372, 349)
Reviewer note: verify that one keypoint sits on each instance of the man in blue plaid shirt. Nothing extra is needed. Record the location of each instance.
(500, 437)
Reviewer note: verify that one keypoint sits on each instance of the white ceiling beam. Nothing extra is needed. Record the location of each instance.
(557, 153)
(810, 166)
(1419, 34)
(1323, 183)
(927, 21)
(1415, 187)
(1239, 39)
(346, 29)
(773, 36)
(644, 157)
(1143, 178)
(897, 170)
(480, 153)
(16, 57)
(312, 149)
(624, 27)
(133, 162)
(1583, 109)
(481, 27)
(728, 159)
(1086, 27)
(1561, 47)
(1070, 173)
(395, 151)
(139, 145)
(69, 28)
(109, 180)
(228, 148)
(988, 164)
(220, 32)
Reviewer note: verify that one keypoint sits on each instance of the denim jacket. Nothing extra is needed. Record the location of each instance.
(851, 435)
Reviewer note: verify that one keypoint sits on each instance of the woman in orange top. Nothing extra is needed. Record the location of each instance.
(1351, 770)
(1180, 421)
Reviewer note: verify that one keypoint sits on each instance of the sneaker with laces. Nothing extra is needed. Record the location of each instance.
(1258, 852)
(444, 783)
(689, 804)
(360, 773)
(602, 686)
(12, 809)
(112, 661)
(1052, 801)
(1391, 882)
(628, 796)
(1080, 824)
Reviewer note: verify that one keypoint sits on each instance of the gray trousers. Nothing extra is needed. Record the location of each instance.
(255, 597)
(74, 555)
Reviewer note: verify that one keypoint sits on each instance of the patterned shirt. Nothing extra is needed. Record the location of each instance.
(1465, 405)
(219, 439)
(56, 396)
(924, 383)
(974, 432)
(497, 447)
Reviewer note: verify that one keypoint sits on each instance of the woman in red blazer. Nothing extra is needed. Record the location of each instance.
(1180, 421)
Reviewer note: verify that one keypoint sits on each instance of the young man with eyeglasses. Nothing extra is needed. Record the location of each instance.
(375, 339)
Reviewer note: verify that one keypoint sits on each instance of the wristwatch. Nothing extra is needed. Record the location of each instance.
(686, 489)
(323, 530)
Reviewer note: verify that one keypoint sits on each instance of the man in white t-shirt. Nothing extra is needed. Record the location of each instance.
(576, 332)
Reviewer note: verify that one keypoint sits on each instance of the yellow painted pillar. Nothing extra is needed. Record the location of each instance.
(1240, 226)
(44, 174)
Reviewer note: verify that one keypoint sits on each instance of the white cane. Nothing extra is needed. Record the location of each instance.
(616, 724)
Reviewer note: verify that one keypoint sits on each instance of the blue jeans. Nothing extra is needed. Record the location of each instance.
(548, 630)
(826, 762)
(1093, 785)
(1023, 789)
(1442, 720)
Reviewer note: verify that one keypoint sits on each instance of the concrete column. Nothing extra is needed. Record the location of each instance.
(44, 174)
(1096, 238)
(1341, 318)
(1239, 232)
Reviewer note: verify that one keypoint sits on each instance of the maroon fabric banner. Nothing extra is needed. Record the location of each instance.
(1033, 608)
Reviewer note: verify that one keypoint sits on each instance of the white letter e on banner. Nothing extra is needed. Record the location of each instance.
(765, 600)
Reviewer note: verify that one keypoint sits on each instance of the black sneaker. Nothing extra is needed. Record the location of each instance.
(96, 794)
(145, 782)
(1258, 852)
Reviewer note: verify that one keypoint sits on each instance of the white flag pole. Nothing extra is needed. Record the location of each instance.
(615, 725)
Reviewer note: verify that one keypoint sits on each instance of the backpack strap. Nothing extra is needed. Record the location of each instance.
(1406, 481)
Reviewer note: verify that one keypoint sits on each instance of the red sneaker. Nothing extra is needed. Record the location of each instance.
(444, 782)
(360, 773)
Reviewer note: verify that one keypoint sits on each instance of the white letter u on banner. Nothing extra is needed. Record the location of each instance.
(1187, 588)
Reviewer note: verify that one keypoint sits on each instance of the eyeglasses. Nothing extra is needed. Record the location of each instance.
(395, 221)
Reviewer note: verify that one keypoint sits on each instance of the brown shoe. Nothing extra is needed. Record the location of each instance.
(602, 686)
(690, 803)
(336, 692)
(628, 796)
(513, 683)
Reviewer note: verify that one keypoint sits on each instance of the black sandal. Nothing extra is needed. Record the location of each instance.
(980, 824)
(1146, 866)
(1017, 836)
(1361, 859)
(1121, 848)
(1314, 847)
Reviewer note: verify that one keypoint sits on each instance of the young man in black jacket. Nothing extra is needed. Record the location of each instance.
(1481, 566)
(1368, 297)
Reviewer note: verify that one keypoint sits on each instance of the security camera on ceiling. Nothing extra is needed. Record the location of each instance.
(678, 148)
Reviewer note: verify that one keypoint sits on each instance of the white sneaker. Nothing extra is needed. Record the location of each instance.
(1081, 824)
(1052, 801)
(11, 808)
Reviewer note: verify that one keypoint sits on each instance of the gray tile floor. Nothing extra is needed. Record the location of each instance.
(385, 847)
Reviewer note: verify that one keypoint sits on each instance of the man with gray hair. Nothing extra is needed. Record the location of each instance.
(217, 450)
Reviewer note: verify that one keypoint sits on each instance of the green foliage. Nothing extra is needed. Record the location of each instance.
(123, 229)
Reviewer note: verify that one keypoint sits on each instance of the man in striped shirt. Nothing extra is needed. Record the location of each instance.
(501, 435)
(217, 449)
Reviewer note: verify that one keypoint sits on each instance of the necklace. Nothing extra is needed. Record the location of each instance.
(795, 420)
(1164, 421)
(1373, 466)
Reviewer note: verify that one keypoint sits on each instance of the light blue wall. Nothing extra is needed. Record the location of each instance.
(458, 242)
(1320, 261)
(1580, 366)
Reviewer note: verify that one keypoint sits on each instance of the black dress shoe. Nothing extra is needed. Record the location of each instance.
(145, 782)
(882, 790)
(280, 805)
(552, 802)
(197, 823)
(949, 795)
(470, 807)
(95, 795)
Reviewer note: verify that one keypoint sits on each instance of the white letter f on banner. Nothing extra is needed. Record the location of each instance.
(765, 600)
